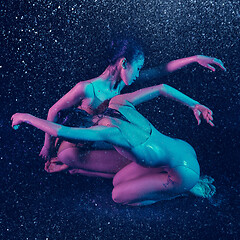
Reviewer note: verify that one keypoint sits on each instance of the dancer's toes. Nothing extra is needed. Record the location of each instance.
(73, 171)
(55, 166)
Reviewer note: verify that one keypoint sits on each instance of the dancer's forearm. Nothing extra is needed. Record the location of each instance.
(146, 94)
(165, 69)
(51, 117)
(47, 140)
(176, 95)
(95, 133)
(179, 63)
(73, 97)
(48, 127)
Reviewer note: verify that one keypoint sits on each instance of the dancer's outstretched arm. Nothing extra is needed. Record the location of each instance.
(149, 93)
(95, 133)
(164, 69)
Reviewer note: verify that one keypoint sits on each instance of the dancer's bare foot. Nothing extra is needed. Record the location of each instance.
(54, 165)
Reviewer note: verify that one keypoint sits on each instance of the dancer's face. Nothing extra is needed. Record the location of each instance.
(130, 71)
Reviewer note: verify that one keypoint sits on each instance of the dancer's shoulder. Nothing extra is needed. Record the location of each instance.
(85, 87)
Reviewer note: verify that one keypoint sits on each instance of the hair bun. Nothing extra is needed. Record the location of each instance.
(126, 47)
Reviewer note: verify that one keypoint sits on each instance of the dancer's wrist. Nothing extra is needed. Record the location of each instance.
(27, 118)
(46, 146)
(193, 104)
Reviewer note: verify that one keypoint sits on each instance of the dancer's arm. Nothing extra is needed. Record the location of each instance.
(149, 93)
(74, 96)
(95, 133)
(174, 65)
(146, 94)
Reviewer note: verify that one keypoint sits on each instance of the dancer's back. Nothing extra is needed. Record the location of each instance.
(144, 144)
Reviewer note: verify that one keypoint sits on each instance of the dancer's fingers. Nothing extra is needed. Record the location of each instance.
(197, 114)
(211, 67)
(46, 168)
(46, 165)
(55, 160)
(210, 117)
(211, 123)
(219, 63)
(13, 116)
(210, 112)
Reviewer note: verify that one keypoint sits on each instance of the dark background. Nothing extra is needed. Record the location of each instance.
(49, 46)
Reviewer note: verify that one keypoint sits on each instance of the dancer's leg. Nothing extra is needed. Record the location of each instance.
(134, 170)
(104, 163)
(91, 173)
(88, 161)
(55, 164)
(155, 186)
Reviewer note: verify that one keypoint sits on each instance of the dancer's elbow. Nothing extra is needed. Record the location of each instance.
(52, 111)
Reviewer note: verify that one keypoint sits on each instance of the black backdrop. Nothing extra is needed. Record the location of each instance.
(49, 46)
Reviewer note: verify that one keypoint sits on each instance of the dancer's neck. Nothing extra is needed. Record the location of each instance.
(111, 76)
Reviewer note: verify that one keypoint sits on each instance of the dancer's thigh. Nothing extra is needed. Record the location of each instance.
(134, 170)
(155, 186)
(150, 187)
(105, 161)
(95, 145)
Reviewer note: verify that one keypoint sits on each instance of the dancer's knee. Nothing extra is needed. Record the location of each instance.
(118, 196)
(68, 156)
(115, 181)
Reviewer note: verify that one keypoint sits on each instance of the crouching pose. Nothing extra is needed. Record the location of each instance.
(161, 168)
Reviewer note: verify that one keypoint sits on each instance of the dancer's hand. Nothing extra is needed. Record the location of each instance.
(18, 118)
(201, 111)
(206, 61)
(45, 153)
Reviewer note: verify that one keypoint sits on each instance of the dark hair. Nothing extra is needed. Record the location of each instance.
(128, 48)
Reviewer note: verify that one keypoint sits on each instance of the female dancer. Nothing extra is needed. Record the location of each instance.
(162, 167)
(89, 98)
